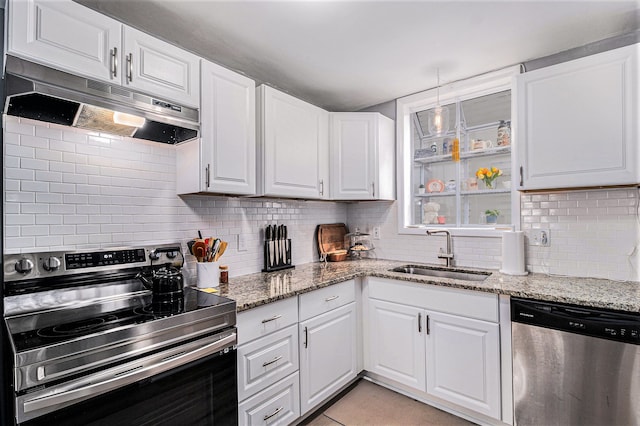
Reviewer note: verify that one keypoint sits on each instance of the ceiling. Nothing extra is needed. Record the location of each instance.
(348, 55)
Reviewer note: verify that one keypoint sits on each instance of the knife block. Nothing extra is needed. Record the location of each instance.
(271, 252)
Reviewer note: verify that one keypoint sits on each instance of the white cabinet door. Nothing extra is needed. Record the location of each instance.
(396, 347)
(328, 355)
(361, 156)
(159, 68)
(223, 161)
(66, 36)
(228, 130)
(578, 122)
(463, 362)
(293, 140)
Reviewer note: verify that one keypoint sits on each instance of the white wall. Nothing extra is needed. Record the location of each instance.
(72, 189)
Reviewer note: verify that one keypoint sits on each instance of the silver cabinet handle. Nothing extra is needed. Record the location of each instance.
(268, 416)
(276, 359)
(373, 189)
(420, 323)
(521, 176)
(306, 337)
(114, 62)
(129, 374)
(321, 186)
(130, 67)
(428, 329)
(329, 299)
(207, 176)
(273, 318)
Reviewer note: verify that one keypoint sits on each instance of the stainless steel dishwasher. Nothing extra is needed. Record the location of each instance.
(574, 365)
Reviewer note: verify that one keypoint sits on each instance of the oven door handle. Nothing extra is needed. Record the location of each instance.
(131, 374)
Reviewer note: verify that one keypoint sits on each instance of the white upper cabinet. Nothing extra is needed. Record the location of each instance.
(224, 159)
(70, 37)
(64, 35)
(578, 122)
(293, 144)
(159, 68)
(362, 156)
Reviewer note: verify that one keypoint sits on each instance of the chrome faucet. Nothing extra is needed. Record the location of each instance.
(448, 256)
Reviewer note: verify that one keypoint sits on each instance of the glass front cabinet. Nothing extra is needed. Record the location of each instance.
(461, 177)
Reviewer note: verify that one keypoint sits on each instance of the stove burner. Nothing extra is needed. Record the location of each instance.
(77, 328)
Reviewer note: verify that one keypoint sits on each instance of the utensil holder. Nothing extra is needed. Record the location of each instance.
(277, 255)
(208, 274)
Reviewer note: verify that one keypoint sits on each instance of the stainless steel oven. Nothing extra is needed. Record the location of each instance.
(92, 345)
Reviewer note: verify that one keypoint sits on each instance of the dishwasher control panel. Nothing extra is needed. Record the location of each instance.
(612, 325)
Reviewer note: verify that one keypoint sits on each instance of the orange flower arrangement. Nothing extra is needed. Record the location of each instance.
(488, 175)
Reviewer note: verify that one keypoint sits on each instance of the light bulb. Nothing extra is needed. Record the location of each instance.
(128, 119)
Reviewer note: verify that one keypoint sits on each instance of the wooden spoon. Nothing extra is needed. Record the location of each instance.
(223, 247)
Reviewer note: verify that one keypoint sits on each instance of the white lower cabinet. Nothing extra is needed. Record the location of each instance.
(396, 345)
(277, 405)
(450, 357)
(463, 362)
(327, 355)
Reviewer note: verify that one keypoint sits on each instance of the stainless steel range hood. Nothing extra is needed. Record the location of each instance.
(42, 93)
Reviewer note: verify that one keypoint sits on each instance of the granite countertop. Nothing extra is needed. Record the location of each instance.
(250, 291)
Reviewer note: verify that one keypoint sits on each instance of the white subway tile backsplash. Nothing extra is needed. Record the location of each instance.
(49, 219)
(19, 174)
(105, 191)
(44, 176)
(19, 197)
(43, 131)
(33, 186)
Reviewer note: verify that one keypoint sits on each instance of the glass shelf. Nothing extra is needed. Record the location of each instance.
(464, 154)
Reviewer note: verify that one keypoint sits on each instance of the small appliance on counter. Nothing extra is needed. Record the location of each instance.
(277, 248)
(358, 244)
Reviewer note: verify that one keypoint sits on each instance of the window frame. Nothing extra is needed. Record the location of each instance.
(474, 87)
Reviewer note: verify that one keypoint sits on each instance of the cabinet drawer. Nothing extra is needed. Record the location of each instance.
(466, 303)
(264, 361)
(276, 405)
(266, 319)
(325, 299)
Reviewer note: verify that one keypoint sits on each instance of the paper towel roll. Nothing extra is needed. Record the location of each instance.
(513, 253)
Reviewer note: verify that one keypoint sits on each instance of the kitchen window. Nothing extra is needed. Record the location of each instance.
(438, 185)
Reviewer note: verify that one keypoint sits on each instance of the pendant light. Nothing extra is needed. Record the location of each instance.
(438, 117)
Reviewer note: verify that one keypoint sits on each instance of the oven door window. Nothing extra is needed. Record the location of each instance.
(200, 393)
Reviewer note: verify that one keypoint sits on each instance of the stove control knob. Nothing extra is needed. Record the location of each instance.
(51, 264)
(172, 254)
(154, 255)
(24, 266)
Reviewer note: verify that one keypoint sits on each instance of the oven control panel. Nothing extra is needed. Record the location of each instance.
(104, 258)
(33, 266)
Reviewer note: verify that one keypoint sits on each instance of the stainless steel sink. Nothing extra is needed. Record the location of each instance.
(432, 272)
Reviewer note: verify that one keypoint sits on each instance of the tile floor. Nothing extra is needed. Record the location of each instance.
(369, 404)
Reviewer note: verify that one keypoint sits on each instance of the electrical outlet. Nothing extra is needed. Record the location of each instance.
(376, 232)
(540, 237)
